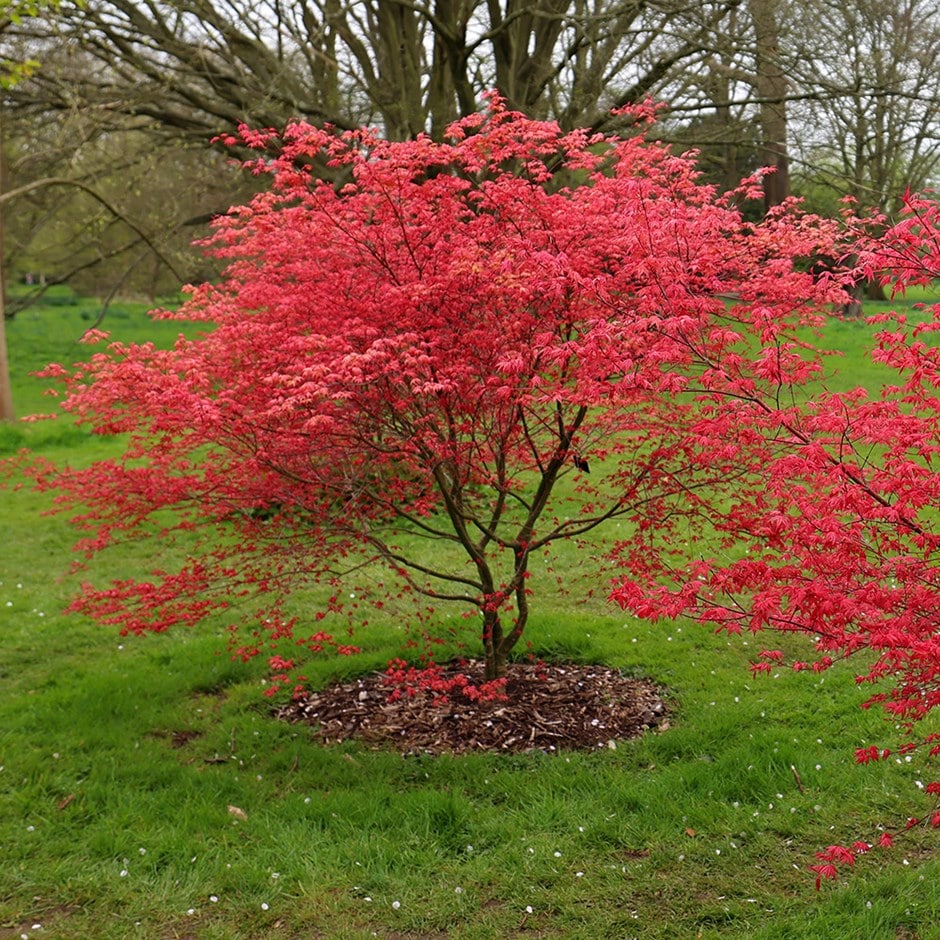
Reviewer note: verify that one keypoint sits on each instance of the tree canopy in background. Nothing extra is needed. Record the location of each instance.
(201, 68)
(839, 100)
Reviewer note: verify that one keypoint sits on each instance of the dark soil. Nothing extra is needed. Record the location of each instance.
(548, 708)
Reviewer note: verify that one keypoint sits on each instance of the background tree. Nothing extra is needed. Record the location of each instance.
(154, 81)
(485, 343)
(12, 71)
(873, 131)
(875, 64)
(199, 69)
(732, 107)
(737, 75)
(771, 87)
(63, 235)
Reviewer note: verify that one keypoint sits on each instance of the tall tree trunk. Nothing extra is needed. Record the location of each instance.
(6, 392)
(771, 88)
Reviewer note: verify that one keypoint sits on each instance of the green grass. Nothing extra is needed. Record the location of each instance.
(850, 341)
(121, 759)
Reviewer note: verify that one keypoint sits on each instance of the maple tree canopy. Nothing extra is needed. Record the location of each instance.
(834, 531)
(495, 343)
(836, 528)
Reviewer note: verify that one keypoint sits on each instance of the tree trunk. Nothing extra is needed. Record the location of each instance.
(495, 668)
(771, 88)
(6, 391)
(494, 655)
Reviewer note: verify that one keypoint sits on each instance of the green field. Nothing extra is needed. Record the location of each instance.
(145, 791)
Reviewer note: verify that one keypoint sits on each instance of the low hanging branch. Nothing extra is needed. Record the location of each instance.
(61, 181)
(7, 411)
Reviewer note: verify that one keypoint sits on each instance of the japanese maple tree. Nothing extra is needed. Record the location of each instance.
(493, 343)
(834, 532)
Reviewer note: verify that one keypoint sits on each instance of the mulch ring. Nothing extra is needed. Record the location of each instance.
(549, 708)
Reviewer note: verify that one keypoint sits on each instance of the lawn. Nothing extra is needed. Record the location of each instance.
(145, 790)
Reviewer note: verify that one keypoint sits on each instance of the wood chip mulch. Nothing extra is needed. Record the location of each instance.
(549, 708)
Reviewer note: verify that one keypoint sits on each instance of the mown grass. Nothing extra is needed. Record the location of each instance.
(145, 790)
